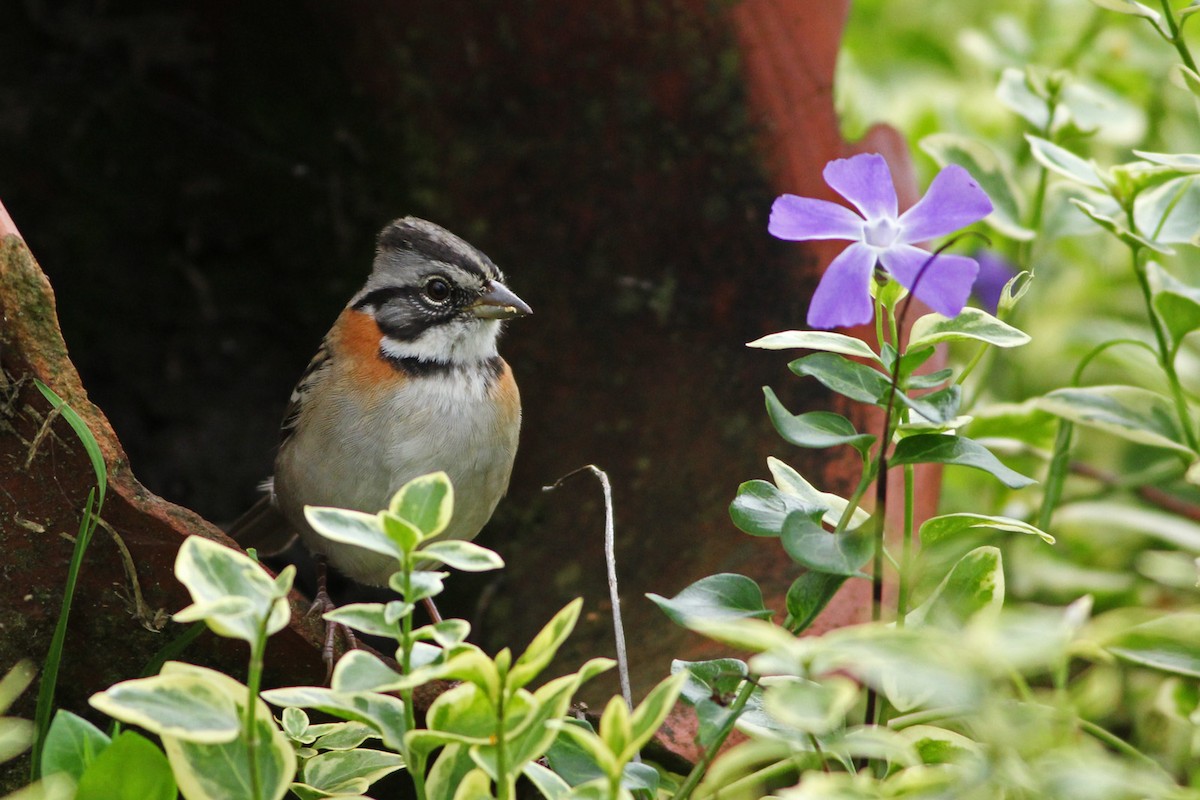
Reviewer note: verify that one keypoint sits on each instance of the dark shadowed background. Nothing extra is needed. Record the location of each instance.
(202, 182)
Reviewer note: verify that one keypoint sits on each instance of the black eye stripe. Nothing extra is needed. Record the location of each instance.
(378, 297)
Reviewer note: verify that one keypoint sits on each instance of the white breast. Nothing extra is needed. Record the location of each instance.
(353, 452)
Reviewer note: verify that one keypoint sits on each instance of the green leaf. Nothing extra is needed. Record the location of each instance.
(353, 527)
(816, 428)
(938, 448)
(86, 438)
(376, 619)
(472, 665)
(405, 534)
(546, 781)
(1117, 227)
(723, 596)
(1184, 162)
(650, 714)
(1064, 162)
(449, 771)
(1171, 528)
(840, 374)
(542, 649)
(536, 733)
(928, 381)
(937, 407)
(422, 584)
(986, 167)
(230, 591)
(461, 555)
(222, 771)
(1016, 93)
(719, 677)
(568, 758)
(1177, 304)
(296, 724)
(640, 777)
(760, 509)
(810, 545)
(940, 746)
(936, 529)
(72, 743)
(360, 671)
(1130, 412)
(592, 745)
(466, 715)
(340, 735)
(873, 742)
(449, 633)
(811, 707)
(971, 325)
(190, 704)
(538, 730)
(348, 772)
(1135, 9)
(792, 482)
(131, 768)
(1168, 212)
(808, 596)
(1170, 643)
(427, 502)
(751, 635)
(382, 713)
(614, 729)
(975, 584)
(475, 785)
(816, 340)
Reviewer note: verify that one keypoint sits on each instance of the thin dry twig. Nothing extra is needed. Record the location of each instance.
(42, 433)
(610, 558)
(151, 620)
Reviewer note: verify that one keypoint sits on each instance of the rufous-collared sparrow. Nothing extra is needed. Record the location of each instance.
(408, 381)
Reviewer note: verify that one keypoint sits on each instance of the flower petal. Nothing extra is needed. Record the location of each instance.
(865, 181)
(944, 285)
(843, 297)
(800, 219)
(954, 200)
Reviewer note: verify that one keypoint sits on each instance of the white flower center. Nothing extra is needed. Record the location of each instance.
(881, 233)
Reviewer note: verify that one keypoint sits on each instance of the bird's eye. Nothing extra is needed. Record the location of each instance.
(437, 289)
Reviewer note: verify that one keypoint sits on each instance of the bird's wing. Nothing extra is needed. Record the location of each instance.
(291, 416)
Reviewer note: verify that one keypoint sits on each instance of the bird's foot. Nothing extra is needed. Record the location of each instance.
(323, 603)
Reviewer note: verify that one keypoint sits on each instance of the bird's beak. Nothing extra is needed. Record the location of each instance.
(499, 302)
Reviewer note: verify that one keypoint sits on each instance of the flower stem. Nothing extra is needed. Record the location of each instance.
(253, 683)
(416, 766)
(1176, 36)
(906, 553)
(1166, 356)
(701, 767)
(1056, 475)
(504, 782)
(1121, 746)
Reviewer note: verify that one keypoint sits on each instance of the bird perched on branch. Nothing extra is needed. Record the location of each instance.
(408, 381)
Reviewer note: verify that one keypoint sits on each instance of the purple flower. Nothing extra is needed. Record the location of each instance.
(879, 235)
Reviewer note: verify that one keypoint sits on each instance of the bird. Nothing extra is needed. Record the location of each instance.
(408, 381)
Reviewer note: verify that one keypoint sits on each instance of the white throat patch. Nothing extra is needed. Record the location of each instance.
(455, 342)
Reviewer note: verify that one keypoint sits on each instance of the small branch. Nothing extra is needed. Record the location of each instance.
(152, 621)
(1151, 494)
(610, 559)
(42, 433)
